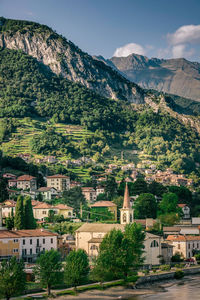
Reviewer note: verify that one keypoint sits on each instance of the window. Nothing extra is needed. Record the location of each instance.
(43, 249)
(37, 242)
(197, 245)
(179, 246)
(94, 247)
(30, 241)
(44, 212)
(15, 250)
(193, 245)
(31, 251)
(69, 214)
(15, 240)
(188, 246)
(24, 242)
(43, 241)
(51, 240)
(154, 243)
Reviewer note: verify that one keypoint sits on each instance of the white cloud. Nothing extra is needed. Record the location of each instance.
(128, 49)
(188, 34)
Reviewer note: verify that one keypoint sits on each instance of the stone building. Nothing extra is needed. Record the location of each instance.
(59, 182)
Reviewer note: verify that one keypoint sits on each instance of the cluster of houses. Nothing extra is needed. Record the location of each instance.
(27, 244)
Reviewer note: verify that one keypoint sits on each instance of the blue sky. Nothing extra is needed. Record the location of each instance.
(155, 28)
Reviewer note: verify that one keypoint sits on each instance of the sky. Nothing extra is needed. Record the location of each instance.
(154, 28)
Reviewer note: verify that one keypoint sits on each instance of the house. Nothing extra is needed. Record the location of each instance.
(9, 176)
(112, 207)
(89, 194)
(47, 193)
(26, 182)
(166, 252)
(64, 210)
(100, 190)
(12, 182)
(185, 245)
(59, 182)
(74, 184)
(171, 230)
(186, 210)
(90, 235)
(8, 208)
(41, 210)
(26, 244)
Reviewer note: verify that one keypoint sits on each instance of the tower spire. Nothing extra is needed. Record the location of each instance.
(126, 203)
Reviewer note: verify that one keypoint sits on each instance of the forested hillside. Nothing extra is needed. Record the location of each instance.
(30, 89)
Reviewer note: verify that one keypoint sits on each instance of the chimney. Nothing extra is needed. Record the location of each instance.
(126, 203)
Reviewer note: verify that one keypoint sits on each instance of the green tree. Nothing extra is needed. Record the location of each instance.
(157, 189)
(139, 187)
(115, 256)
(12, 278)
(29, 219)
(19, 214)
(76, 268)
(169, 204)
(48, 269)
(3, 190)
(110, 187)
(10, 221)
(184, 194)
(74, 198)
(135, 234)
(145, 206)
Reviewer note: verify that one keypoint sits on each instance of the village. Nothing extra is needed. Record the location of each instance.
(183, 238)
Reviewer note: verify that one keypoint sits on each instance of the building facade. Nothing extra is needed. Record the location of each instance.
(60, 182)
(26, 244)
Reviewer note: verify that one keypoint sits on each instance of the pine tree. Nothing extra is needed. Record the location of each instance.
(19, 214)
(29, 219)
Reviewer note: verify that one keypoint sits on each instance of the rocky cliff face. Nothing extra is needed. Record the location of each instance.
(65, 59)
(174, 76)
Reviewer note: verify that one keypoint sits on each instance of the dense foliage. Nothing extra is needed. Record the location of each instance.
(12, 278)
(29, 88)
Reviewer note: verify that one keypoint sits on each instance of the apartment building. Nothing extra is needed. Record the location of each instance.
(59, 182)
(26, 244)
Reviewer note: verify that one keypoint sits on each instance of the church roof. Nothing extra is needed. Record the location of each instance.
(99, 227)
(126, 203)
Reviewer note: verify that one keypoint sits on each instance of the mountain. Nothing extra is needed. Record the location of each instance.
(66, 59)
(46, 87)
(174, 76)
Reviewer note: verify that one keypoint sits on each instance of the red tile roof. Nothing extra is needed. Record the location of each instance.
(25, 233)
(43, 205)
(183, 238)
(58, 176)
(45, 189)
(25, 178)
(103, 204)
(63, 206)
(182, 205)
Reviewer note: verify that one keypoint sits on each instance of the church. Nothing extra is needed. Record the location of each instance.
(90, 235)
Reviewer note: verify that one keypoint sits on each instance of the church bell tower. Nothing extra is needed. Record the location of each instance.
(126, 212)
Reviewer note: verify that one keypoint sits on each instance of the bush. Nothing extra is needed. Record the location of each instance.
(179, 274)
(165, 268)
(176, 258)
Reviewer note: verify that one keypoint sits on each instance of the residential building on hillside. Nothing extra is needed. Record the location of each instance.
(26, 244)
(41, 211)
(47, 193)
(26, 182)
(186, 245)
(90, 194)
(186, 210)
(100, 190)
(64, 210)
(112, 207)
(59, 182)
(9, 176)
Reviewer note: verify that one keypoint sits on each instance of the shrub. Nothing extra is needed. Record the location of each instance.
(165, 267)
(179, 274)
